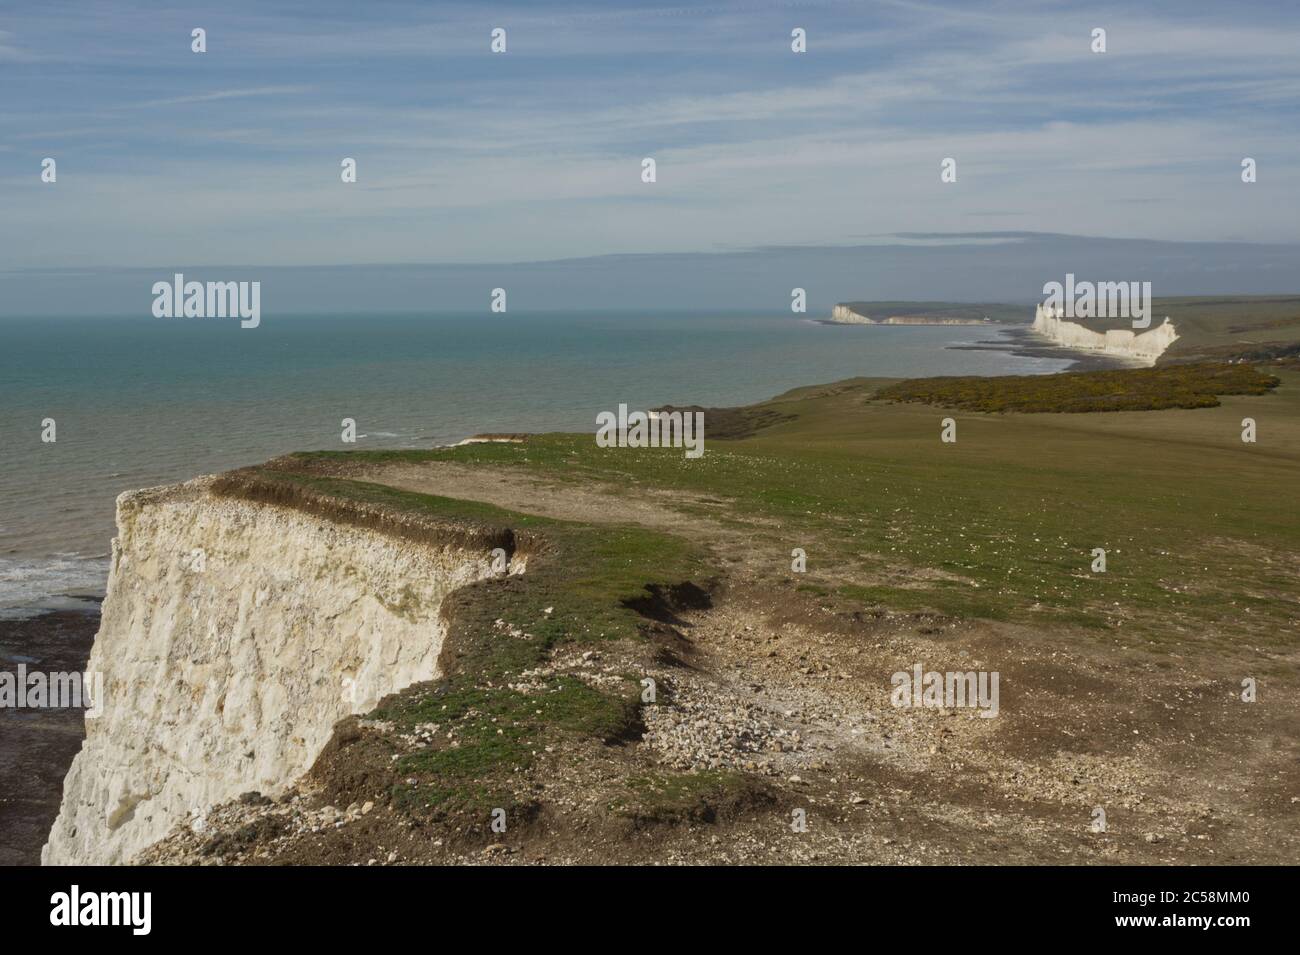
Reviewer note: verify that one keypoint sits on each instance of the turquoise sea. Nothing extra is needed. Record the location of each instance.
(145, 401)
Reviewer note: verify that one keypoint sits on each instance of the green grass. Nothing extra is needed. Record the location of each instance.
(421, 505)
(660, 798)
(1146, 389)
(498, 732)
(1201, 533)
(1230, 325)
(1201, 530)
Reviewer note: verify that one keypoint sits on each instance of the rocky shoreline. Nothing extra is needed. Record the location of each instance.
(1023, 342)
(37, 745)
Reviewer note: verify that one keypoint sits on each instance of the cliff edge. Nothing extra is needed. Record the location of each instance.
(235, 634)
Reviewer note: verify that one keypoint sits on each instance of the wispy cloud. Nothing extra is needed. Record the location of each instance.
(466, 155)
(217, 95)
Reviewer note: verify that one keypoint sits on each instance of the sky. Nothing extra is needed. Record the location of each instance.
(464, 155)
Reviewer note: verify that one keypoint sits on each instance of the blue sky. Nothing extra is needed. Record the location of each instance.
(232, 156)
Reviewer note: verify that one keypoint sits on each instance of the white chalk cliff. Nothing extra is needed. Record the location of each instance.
(226, 672)
(1145, 346)
(844, 315)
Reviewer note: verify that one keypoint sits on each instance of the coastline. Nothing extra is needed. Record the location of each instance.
(1024, 342)
(60, 522)
(1021, 341)
(296, 818)
(175, 521)
(37, 747)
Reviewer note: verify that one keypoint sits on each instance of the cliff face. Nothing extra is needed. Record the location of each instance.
(842, 313)
(233, 637)
(1145, 346)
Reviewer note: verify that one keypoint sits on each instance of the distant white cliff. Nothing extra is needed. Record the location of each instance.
(1145, 346)
(234, 636)
(847, 316)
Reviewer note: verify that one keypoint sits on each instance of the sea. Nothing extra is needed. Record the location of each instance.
(140, 401)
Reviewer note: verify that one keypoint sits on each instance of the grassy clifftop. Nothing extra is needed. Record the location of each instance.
(1120, 685)
(1001, 520)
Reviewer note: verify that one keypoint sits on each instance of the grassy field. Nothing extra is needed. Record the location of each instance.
(1196, 385)
(1201, 529)
(980, 549)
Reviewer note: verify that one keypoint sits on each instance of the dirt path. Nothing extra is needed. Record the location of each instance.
(746, 551)
(534, 495)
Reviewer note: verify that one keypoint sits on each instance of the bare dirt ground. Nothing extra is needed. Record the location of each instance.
(772, 685)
